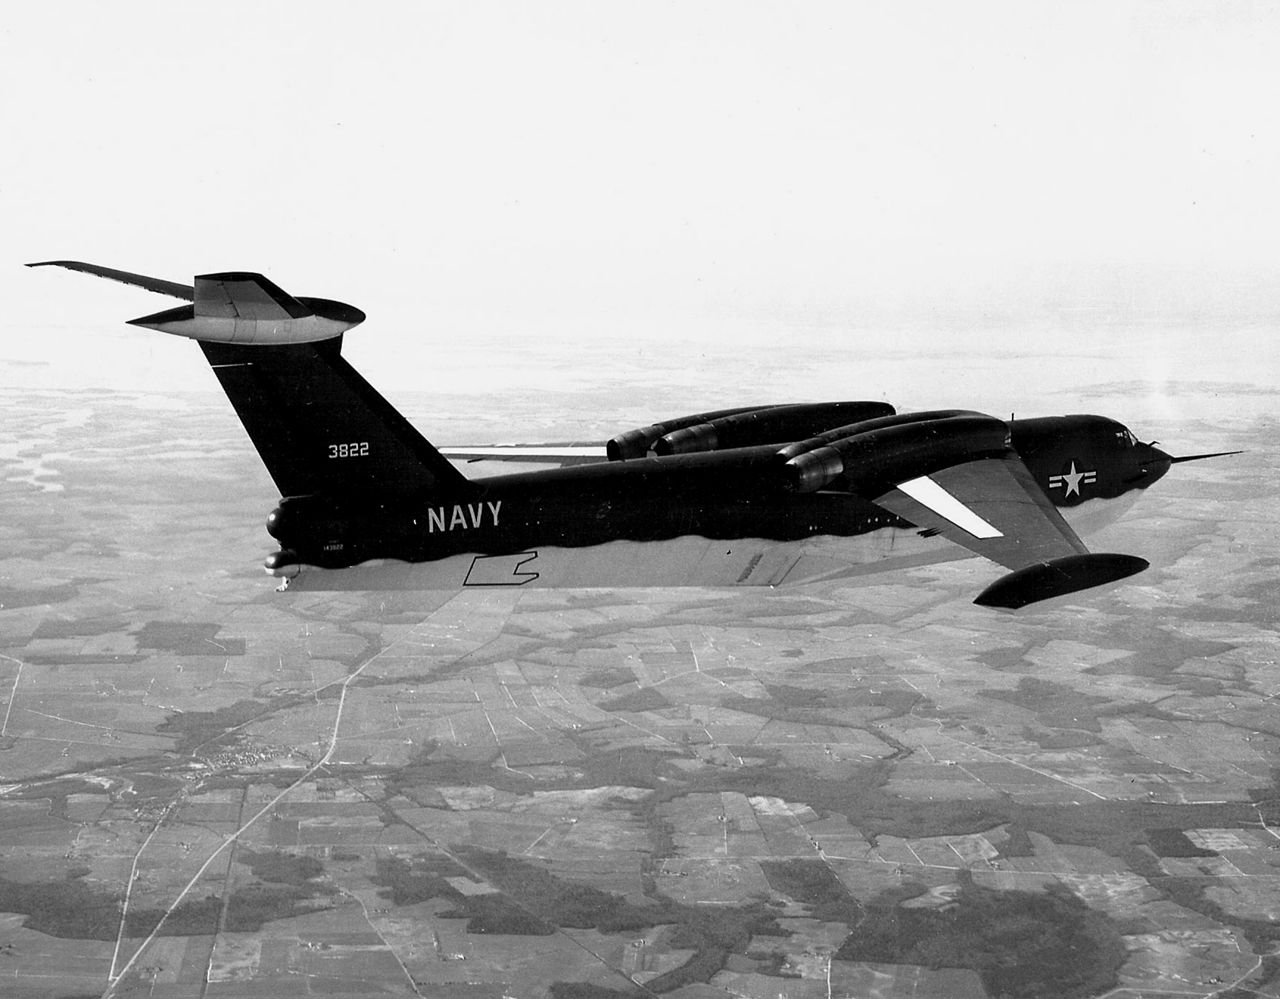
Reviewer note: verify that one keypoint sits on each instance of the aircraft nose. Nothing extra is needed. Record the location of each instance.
(1154, 463)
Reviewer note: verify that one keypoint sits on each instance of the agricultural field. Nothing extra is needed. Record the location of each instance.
(209, 788)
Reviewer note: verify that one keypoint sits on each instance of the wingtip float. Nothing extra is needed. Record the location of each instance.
(1058, 577)
(763, 495)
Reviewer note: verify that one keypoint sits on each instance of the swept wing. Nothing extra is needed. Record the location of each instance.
(994, 508)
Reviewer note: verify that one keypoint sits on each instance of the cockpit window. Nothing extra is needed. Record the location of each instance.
(1124, 437)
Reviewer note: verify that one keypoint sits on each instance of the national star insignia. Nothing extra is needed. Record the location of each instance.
(1072, 480)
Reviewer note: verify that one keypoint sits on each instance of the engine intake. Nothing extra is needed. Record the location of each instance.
(638, 443)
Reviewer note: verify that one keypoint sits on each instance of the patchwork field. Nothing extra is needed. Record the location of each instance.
(208, 788)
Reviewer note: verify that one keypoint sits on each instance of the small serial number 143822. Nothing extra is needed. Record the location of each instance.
(356, 449)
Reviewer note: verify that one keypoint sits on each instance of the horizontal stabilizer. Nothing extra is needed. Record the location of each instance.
(246, 308)
(159, 285)
(244, 295)
(1054, 578)
(239, 307)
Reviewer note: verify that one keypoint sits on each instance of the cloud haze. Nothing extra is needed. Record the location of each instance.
(684, 180)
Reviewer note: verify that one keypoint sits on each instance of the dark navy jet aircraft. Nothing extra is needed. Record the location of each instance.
(763, 495)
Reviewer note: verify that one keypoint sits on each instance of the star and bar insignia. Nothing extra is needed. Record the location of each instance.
(1072, 480)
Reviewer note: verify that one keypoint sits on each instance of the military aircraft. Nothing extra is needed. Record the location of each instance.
(759, 495)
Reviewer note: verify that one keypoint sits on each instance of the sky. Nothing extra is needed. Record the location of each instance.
(787, 200)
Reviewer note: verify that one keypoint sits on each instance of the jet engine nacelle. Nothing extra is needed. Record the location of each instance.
(766, 426)
(864, 426)
(879, 458)
(638, 443)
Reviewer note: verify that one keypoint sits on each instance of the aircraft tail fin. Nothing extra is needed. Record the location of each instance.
(320, 428)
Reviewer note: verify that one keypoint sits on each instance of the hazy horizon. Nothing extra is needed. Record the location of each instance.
(686, 183)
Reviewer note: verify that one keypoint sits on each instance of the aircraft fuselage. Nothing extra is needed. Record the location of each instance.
(717, 495)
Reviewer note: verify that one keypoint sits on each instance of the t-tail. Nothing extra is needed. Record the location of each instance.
(323, 432)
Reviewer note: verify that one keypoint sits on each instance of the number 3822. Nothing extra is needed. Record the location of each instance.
(356, 449)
